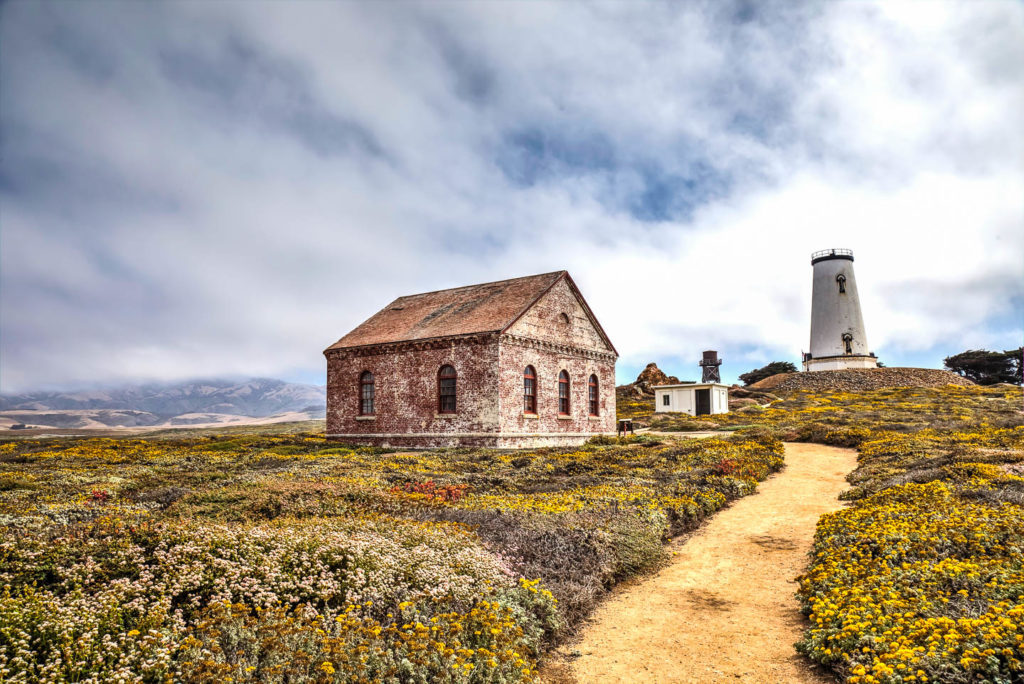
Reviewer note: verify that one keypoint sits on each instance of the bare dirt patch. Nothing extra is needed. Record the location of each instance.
(724, 609)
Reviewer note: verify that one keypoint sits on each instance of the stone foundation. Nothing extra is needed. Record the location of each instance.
(840, 363)
(440, 440)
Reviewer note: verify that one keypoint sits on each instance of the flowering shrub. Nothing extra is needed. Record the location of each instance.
(916, 584)
(284, 557)
(430, 643)
(848, 418)
(726, 466)
(891, 458)
(100, 496)
(922, 579)
(433, 491)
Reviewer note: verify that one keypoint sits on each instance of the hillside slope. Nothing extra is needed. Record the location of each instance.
(207, 401)
(860, 379)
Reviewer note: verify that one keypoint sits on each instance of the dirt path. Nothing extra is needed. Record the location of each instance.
(724, 609)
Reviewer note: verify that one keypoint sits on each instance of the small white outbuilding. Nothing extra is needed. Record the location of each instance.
(697, 399)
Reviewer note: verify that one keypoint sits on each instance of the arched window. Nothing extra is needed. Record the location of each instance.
(848, 341)
(446, 390)
(592, 395)
(841, 279)
(529, 390)
(563, 394)
(366, 394)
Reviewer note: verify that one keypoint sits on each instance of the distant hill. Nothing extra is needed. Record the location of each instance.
(207, 401)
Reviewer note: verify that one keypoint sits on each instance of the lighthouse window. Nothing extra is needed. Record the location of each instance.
(848, 341)
(841, 279)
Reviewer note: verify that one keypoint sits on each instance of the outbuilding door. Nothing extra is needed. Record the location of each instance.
(703, 401)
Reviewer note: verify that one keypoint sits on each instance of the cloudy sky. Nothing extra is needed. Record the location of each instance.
(224, 189)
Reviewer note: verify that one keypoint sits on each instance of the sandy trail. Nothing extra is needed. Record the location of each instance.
(724, 609)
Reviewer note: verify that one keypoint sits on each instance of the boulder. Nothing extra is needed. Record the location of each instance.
(740, 402)
(651, 376)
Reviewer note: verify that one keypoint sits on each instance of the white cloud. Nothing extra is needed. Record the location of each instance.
(227, 188)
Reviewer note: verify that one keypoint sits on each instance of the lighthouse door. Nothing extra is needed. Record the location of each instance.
(703, 401)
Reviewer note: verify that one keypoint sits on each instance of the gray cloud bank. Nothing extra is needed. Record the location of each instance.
(216, 189)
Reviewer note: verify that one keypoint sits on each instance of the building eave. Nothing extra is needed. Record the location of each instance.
(485, 335)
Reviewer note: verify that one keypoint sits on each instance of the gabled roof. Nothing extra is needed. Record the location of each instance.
(488, 307)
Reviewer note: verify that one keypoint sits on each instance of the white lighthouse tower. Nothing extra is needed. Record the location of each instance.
(838, 339)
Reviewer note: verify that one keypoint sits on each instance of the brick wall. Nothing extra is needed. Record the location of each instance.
(556, 334)
(544, 321)
(406, 391)
(547, 428)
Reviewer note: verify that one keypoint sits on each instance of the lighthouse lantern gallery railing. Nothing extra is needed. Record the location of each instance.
(832, 253)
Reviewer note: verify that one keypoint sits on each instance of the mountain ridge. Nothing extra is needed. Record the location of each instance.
(124, 405)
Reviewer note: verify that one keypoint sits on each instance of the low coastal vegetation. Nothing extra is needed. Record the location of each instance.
(283, 557)
(921, 579)
(848, 418)
(288, 558)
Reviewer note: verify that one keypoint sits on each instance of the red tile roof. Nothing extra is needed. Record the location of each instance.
(489, 307)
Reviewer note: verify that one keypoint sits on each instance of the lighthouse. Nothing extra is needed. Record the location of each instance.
(838, 339)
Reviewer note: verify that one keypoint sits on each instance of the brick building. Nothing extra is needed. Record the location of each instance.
(515, 363)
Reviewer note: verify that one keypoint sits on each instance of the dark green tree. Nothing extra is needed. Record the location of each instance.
(773, 368)
(987, 367)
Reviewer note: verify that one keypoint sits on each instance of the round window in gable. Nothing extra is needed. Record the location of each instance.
(563, 318)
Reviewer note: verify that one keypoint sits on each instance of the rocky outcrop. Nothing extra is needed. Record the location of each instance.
(651, 376)
(859, 380)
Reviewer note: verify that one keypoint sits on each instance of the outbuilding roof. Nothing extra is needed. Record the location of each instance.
(473, 309)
